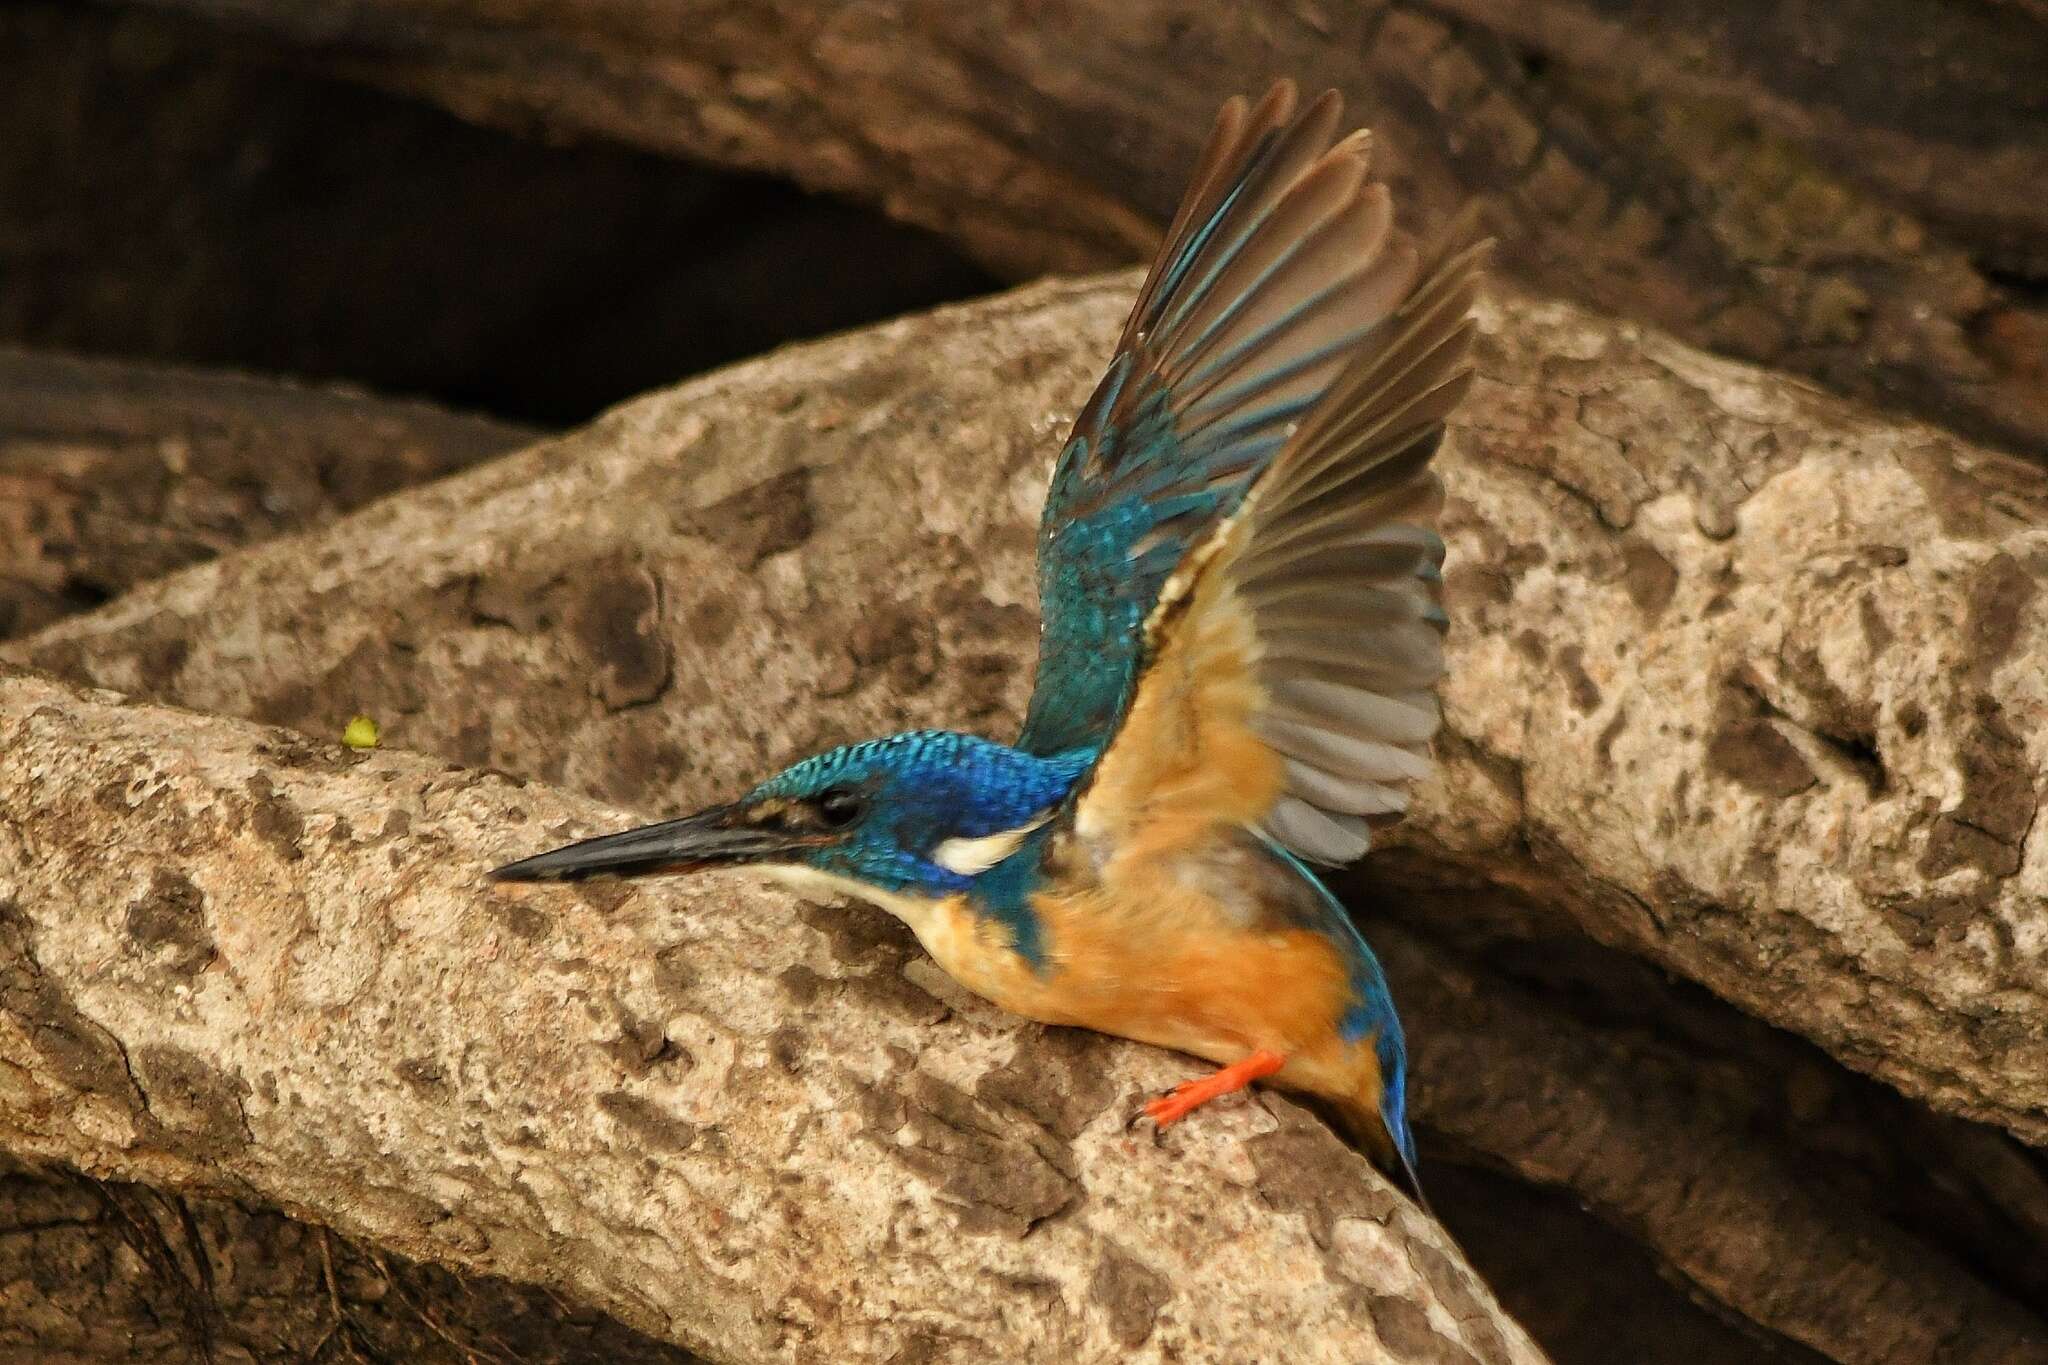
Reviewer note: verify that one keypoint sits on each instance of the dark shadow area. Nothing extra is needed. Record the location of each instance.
(1585, 1291)
(1546, 1056)
(164, 198)
(118, 1272)
(1969, 1189)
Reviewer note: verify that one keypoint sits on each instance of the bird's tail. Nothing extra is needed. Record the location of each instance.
(1362, 1123)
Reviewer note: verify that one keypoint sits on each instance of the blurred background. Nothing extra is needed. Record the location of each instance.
(167, 194)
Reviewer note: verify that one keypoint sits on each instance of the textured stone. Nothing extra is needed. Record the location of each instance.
(751, 1171)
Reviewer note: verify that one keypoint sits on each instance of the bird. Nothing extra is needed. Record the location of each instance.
(1240, 643)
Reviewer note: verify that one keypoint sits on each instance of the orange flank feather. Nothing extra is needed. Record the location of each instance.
(1149, 952)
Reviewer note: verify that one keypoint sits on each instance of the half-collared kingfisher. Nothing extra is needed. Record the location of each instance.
(1241, 636)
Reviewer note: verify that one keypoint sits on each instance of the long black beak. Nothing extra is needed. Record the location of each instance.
(719, 836)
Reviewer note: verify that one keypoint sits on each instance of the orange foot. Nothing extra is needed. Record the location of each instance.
(1189, 1096)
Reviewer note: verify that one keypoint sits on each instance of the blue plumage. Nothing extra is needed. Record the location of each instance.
(1371, 1016)
(1095, 593)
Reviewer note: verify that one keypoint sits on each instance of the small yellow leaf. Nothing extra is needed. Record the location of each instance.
(361, 733)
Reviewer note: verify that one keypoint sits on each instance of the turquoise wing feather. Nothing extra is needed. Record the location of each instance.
(1287, 673)
(1239, 561)
(1279, 265)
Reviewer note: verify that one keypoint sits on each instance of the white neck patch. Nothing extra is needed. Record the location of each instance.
(969, 857)
(814, 884)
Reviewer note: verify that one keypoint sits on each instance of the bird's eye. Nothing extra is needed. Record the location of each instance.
(838, 807)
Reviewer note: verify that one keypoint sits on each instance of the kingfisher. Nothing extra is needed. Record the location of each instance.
(1241, 636)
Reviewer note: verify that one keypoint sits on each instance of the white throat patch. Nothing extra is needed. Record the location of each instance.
(814, 884)
(969, 857)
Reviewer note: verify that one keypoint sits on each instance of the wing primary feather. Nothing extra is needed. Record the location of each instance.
(1332, 644)
(1360, 759)
(1379, 455)
(1436, 314)
(1273, 169)
(1304, 374)
(1240, 531)
(1393, 674)
(1343, 563)
(1414, 404)
(1320, 602)
(1409, 549)
(1263, 422)
(1332, 840)
(1342, 795)
(1222, 386)
(1336, 550)
(1323, 262)
(1283, 233)
(1403, 511)
(1435, 317)
(1405, 718)
(1218, 169)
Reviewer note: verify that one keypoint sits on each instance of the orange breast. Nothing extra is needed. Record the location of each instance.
(1159, 962)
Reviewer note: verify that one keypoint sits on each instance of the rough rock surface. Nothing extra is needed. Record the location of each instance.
(113, 473)
(763, 1132)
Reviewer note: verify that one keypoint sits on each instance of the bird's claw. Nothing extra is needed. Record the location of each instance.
(1176, 1104)
(1190, 1095)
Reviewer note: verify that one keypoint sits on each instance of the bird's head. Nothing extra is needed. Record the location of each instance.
(918, 813)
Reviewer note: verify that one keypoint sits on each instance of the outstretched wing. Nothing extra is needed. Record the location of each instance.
(1289, 663)
(1279, 265)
